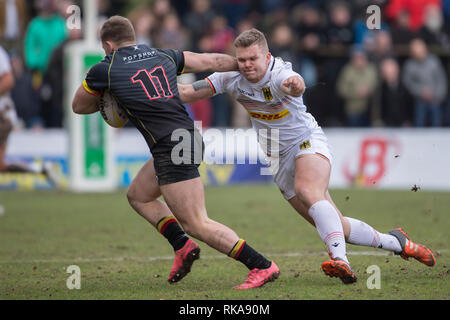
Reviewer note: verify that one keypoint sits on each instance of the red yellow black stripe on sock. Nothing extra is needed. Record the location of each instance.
(237, 249)
(164, 222)
(172, 231)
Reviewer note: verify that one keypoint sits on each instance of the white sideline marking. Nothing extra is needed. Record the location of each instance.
(203, 257)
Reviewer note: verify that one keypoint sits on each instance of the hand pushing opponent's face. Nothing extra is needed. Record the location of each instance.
(253, 62)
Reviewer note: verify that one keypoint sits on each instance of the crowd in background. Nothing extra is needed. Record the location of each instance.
(394, 76)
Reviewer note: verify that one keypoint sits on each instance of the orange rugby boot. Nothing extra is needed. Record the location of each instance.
(414, 250)
(339, 268)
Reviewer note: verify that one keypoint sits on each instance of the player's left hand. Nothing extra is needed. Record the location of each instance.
(293, 86)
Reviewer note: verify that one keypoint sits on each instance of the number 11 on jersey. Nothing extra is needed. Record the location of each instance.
(154, 83)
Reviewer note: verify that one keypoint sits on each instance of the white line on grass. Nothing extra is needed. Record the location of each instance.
(207, 257)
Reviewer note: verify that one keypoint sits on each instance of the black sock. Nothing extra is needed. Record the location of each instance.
(172, 231)
(248, 256)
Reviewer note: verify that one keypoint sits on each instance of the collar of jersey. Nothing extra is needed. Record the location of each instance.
(128, 47)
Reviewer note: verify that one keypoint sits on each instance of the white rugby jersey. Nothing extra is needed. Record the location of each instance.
(268, 106)
(5, 99)
(5, 66)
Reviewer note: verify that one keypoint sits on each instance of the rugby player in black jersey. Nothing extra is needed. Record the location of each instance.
(144, 81)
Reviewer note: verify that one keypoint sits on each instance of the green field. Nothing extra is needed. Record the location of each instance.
(123, 257)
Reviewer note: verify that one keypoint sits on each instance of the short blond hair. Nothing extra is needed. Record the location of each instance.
(117, 29)
(251, 37)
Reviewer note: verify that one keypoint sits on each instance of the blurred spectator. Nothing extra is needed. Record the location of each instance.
(281, 45)
(244, 25)
(308, 23)
(222, 35)
(160, 9)
(432, 32)
(378, 44)
(379, 50)
(309, 26)
(53, 108)
(51, 92)
(393, 98)
(400, 30)
(13, 21)
(339, 34)
(425, 79)
(415, 9)
(45, 32)
(172, 35)
(382, 47)
(340, 30)
(266, 22)
(199, 18)
(356, 84)
(143, 22)
(25, 98)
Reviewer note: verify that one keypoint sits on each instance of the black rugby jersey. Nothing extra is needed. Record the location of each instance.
(144, 81)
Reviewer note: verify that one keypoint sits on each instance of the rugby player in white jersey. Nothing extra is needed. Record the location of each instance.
(272, 92)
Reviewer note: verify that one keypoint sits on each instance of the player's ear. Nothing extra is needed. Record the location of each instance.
(108, 46)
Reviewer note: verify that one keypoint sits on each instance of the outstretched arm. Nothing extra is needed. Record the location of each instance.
(196, 91)
(208, 62)
(293, 86)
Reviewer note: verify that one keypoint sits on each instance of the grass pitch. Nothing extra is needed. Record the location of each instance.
(121, 256)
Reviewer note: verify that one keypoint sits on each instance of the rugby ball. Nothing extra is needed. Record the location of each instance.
(110, 110)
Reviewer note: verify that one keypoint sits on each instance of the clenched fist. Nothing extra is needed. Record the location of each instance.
(293, 86)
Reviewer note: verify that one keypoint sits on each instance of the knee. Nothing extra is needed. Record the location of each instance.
(136, 198)
(308, 195)
(132, 195)
(195, 228)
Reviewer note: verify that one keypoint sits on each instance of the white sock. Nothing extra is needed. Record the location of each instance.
(329, 227)
(363, 234)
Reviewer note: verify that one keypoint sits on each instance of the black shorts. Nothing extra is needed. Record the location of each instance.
(178, 160)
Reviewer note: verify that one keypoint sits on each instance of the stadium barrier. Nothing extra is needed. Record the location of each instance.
(370, 158)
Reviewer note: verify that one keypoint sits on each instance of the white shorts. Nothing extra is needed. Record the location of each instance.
(284, 173)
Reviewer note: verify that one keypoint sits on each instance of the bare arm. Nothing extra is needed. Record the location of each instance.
(293, 86)
(84, 102)
(196, 91)
(6, 82)
(208, 62)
